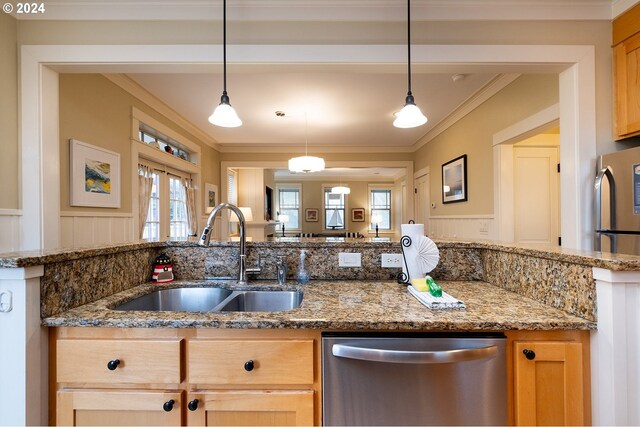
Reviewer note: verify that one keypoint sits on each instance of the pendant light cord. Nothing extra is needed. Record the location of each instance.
(409, 44)
(306, 135)
(224, 46)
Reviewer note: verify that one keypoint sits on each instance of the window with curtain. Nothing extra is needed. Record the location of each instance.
(334, 210)
(152, 226)
(380, 206)
(178, 225)
(289, 203)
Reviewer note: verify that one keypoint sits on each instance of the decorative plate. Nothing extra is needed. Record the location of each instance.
(428, 254)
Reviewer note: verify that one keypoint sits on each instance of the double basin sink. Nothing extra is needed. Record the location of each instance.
(213, 300)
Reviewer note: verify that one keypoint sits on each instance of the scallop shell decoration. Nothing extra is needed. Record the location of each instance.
(428, 254)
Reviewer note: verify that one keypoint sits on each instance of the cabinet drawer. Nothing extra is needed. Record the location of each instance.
(133, 361)
(251, 362)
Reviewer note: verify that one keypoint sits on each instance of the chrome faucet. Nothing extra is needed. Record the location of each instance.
(206, 237)
(281, 271)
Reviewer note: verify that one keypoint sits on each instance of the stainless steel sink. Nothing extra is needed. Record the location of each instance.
(179, 299)
(264, 301)
(213, 299)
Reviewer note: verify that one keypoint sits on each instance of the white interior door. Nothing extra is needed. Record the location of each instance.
(422, 202)
(536, 195)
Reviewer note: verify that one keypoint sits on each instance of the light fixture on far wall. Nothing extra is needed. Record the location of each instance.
(410, 116)
(376, 219)
(306, 163)
(283, 218)
(224, 115)
(340, 189)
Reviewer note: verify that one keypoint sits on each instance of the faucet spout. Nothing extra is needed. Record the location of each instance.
(205, 238)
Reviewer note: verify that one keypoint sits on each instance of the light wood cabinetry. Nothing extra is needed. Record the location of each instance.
(550, 378)
(103, 376)
(626, 58)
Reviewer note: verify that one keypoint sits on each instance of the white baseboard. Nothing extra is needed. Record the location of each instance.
(462, 227)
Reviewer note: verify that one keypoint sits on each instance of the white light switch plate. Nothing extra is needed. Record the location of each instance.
(349, 259)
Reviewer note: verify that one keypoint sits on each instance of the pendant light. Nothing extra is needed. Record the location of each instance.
(306, 163)
(224, 115)
(340, 189)
(410, 116)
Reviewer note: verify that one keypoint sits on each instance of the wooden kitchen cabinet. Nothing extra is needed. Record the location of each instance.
(626, 61)
(551, 380)
(119, 376)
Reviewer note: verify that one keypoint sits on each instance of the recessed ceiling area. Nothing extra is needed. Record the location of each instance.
(342, 108)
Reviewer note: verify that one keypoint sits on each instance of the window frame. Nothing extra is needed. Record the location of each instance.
(290, 186)
(370, 189)
(326, 187)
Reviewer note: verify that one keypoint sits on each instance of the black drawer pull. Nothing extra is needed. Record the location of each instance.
(529, 354)
(248, 365)
(193, 405)
(168, 406)
(113, 364)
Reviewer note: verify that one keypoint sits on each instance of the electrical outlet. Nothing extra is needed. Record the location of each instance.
(391, 260)
(349, 259)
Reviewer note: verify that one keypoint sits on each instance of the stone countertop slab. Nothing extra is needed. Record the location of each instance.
(341, 305)
(615, 262)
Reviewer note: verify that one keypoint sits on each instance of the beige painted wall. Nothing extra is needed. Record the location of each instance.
(9, 169)
(473, 136)
(96, 111)
(359, 198)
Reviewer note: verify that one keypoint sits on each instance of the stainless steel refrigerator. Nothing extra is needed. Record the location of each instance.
(617, 202)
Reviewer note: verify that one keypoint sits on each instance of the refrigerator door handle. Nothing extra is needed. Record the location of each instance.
(597, 197)
(398, 356)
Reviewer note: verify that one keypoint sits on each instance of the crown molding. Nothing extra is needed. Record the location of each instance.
(133, 88)
(473, 102)
(314, 149)
(621, 6)
(327, 10)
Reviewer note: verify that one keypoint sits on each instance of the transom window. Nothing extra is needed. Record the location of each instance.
(334, 210)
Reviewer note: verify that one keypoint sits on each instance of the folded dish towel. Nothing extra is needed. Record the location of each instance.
(445, 301)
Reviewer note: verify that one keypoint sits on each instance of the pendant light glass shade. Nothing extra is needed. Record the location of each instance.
(410, 116)
(306, 164)
(340, 189)
(224, 115)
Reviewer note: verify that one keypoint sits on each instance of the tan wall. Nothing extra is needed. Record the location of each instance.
(359, 198)
(9, 161)
(96, 111)
(473, 136)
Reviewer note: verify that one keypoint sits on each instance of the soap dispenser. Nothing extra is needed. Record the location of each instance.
(303, 276)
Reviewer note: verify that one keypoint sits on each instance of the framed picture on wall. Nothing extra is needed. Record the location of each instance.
(210, 197)
(357, 215)
(94, 176)
(454, 180)
(311, 215)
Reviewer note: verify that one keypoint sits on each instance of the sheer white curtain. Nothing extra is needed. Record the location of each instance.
(190, 203)
(145, 184)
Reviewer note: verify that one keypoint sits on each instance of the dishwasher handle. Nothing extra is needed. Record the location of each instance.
(425, 357)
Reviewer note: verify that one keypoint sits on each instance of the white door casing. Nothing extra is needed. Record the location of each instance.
(422, 202)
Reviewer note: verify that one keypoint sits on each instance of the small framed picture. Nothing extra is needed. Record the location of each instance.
(311, 215)
(210, 197)
(95, 176)
(357, 215)
(454, 180)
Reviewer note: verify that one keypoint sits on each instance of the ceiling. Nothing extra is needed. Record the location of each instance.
(351, 174)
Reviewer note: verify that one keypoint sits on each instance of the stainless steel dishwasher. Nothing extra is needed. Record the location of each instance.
(414, 379)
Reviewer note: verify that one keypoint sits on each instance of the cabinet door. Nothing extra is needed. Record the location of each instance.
(252, 408)
(548, 383)
(627, 77)
(118, 408)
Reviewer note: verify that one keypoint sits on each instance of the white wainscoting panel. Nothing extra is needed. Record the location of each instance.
(461, 227)
(81, 230)
(10, 222)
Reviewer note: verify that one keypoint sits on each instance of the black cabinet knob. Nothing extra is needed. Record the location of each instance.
(168, 405)
(248, 365)
(193, 405)
(529, 354)
(113, 364)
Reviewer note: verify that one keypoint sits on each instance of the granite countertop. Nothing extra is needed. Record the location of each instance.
(615, 262)
(341, 305)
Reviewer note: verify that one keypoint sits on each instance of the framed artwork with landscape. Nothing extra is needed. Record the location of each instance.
(454, 180)
(94, 176)
(311, 215)
(210, 197)
(357, 215)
